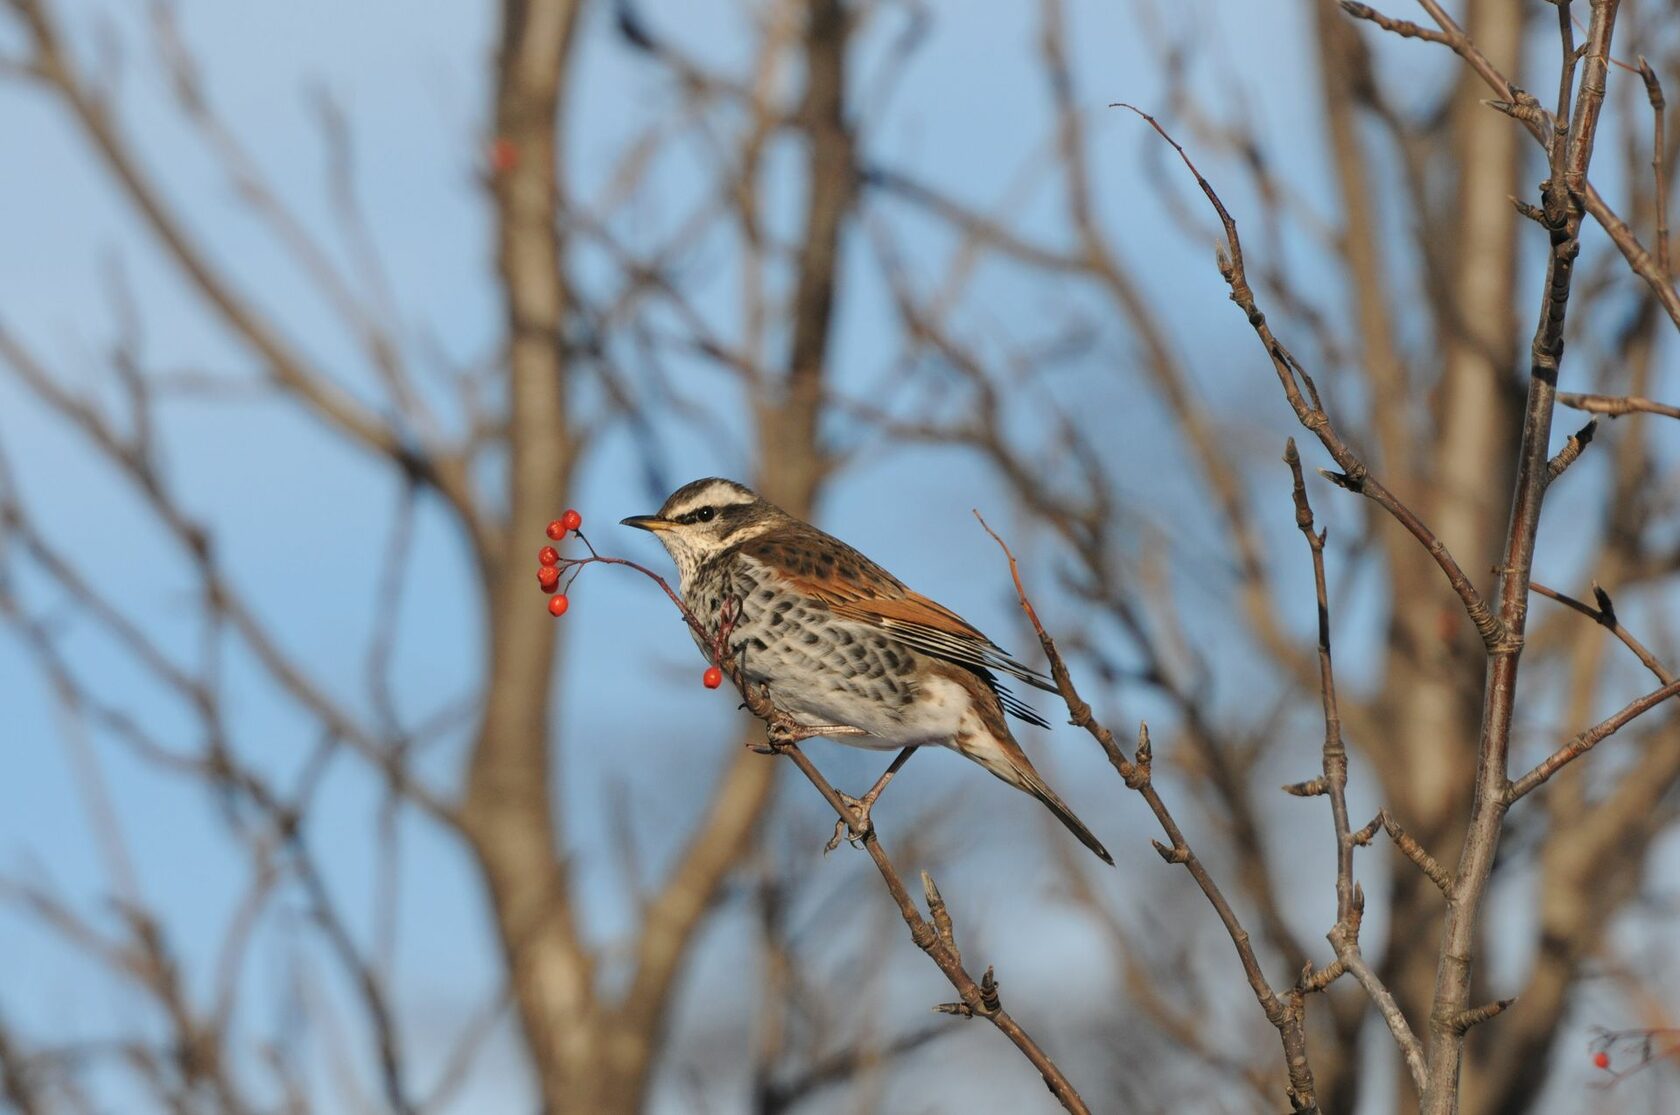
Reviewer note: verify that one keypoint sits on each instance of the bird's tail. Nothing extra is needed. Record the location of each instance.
(1006, 760)
(1041, 790)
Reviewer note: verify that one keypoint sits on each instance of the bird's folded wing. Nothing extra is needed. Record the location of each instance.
(937, 631)
(934, 629)
(856, 588)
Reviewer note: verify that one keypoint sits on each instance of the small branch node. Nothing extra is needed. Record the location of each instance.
(1364, 836)
(1171, 853)
(989, 998)
(1489, 627)
(1606, 609)
(1342, 480)
(1525, 108)
(1526, 209)
(1475, 1016)
(1417, 853)
(941, 916)
(1311, 982)
(1138, 776)
(1571, 450)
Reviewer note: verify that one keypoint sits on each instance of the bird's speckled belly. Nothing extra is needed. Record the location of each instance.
(826, 670)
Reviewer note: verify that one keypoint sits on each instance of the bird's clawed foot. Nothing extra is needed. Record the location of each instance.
(780, 729)
(778, 737)
(856, 826)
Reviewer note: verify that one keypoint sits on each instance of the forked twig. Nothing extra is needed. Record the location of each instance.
(1285, 1012)
(1302, 393)
(1350, 898)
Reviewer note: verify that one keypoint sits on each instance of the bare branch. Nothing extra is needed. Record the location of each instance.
(1659, 164)
(1638, 257)
(1616, 405)
(1605, 616)
(308, 384)
(1586, 740)
(1350, 899)
(1406, 29)
(1286, 1014)
(978, 999)
(1303, 397)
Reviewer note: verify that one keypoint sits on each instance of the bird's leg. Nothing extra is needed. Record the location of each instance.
(867, 801)
(858, 825)
(781, 729)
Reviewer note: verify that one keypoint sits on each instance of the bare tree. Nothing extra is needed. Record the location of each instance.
(1416, 332)
(592, 1048)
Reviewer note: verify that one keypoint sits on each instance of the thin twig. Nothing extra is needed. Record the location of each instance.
(1638, 257)
(1659, 165)
(1417, 853)
(1350, 899)
(1616, 405)
(978, 999)
(1605, 616)
(1302, 393)
(1286, 1013)
(1475, 1016)
(1586, 740)
(1405, 28)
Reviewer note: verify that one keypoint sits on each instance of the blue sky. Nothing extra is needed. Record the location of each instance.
(304, 522)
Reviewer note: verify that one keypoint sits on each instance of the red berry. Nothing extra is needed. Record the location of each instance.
(504, 156)
(548, 555)
(556, 530)
(548, 577)
(1601, 1059)
(712, 678)
(557, 605)
(571, 520)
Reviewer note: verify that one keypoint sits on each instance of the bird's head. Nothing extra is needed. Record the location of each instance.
(702, 519)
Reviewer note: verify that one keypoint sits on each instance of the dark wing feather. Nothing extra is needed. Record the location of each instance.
(1017, 708)
(858, 589)
(916, 626)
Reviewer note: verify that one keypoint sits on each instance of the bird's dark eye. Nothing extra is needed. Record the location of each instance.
(705, 515)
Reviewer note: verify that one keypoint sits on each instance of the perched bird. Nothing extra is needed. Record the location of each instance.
(839, 641)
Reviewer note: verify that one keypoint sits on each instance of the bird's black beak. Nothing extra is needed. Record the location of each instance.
(646, 522)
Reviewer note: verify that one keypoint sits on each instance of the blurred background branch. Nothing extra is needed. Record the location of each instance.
(314, 315)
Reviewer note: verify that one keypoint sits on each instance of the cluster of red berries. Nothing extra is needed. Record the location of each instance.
(549, 563)
(548, 558)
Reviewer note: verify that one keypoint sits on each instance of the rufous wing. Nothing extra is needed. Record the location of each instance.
(857, 589)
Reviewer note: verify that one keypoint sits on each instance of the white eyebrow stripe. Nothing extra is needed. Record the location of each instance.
(720, 498)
